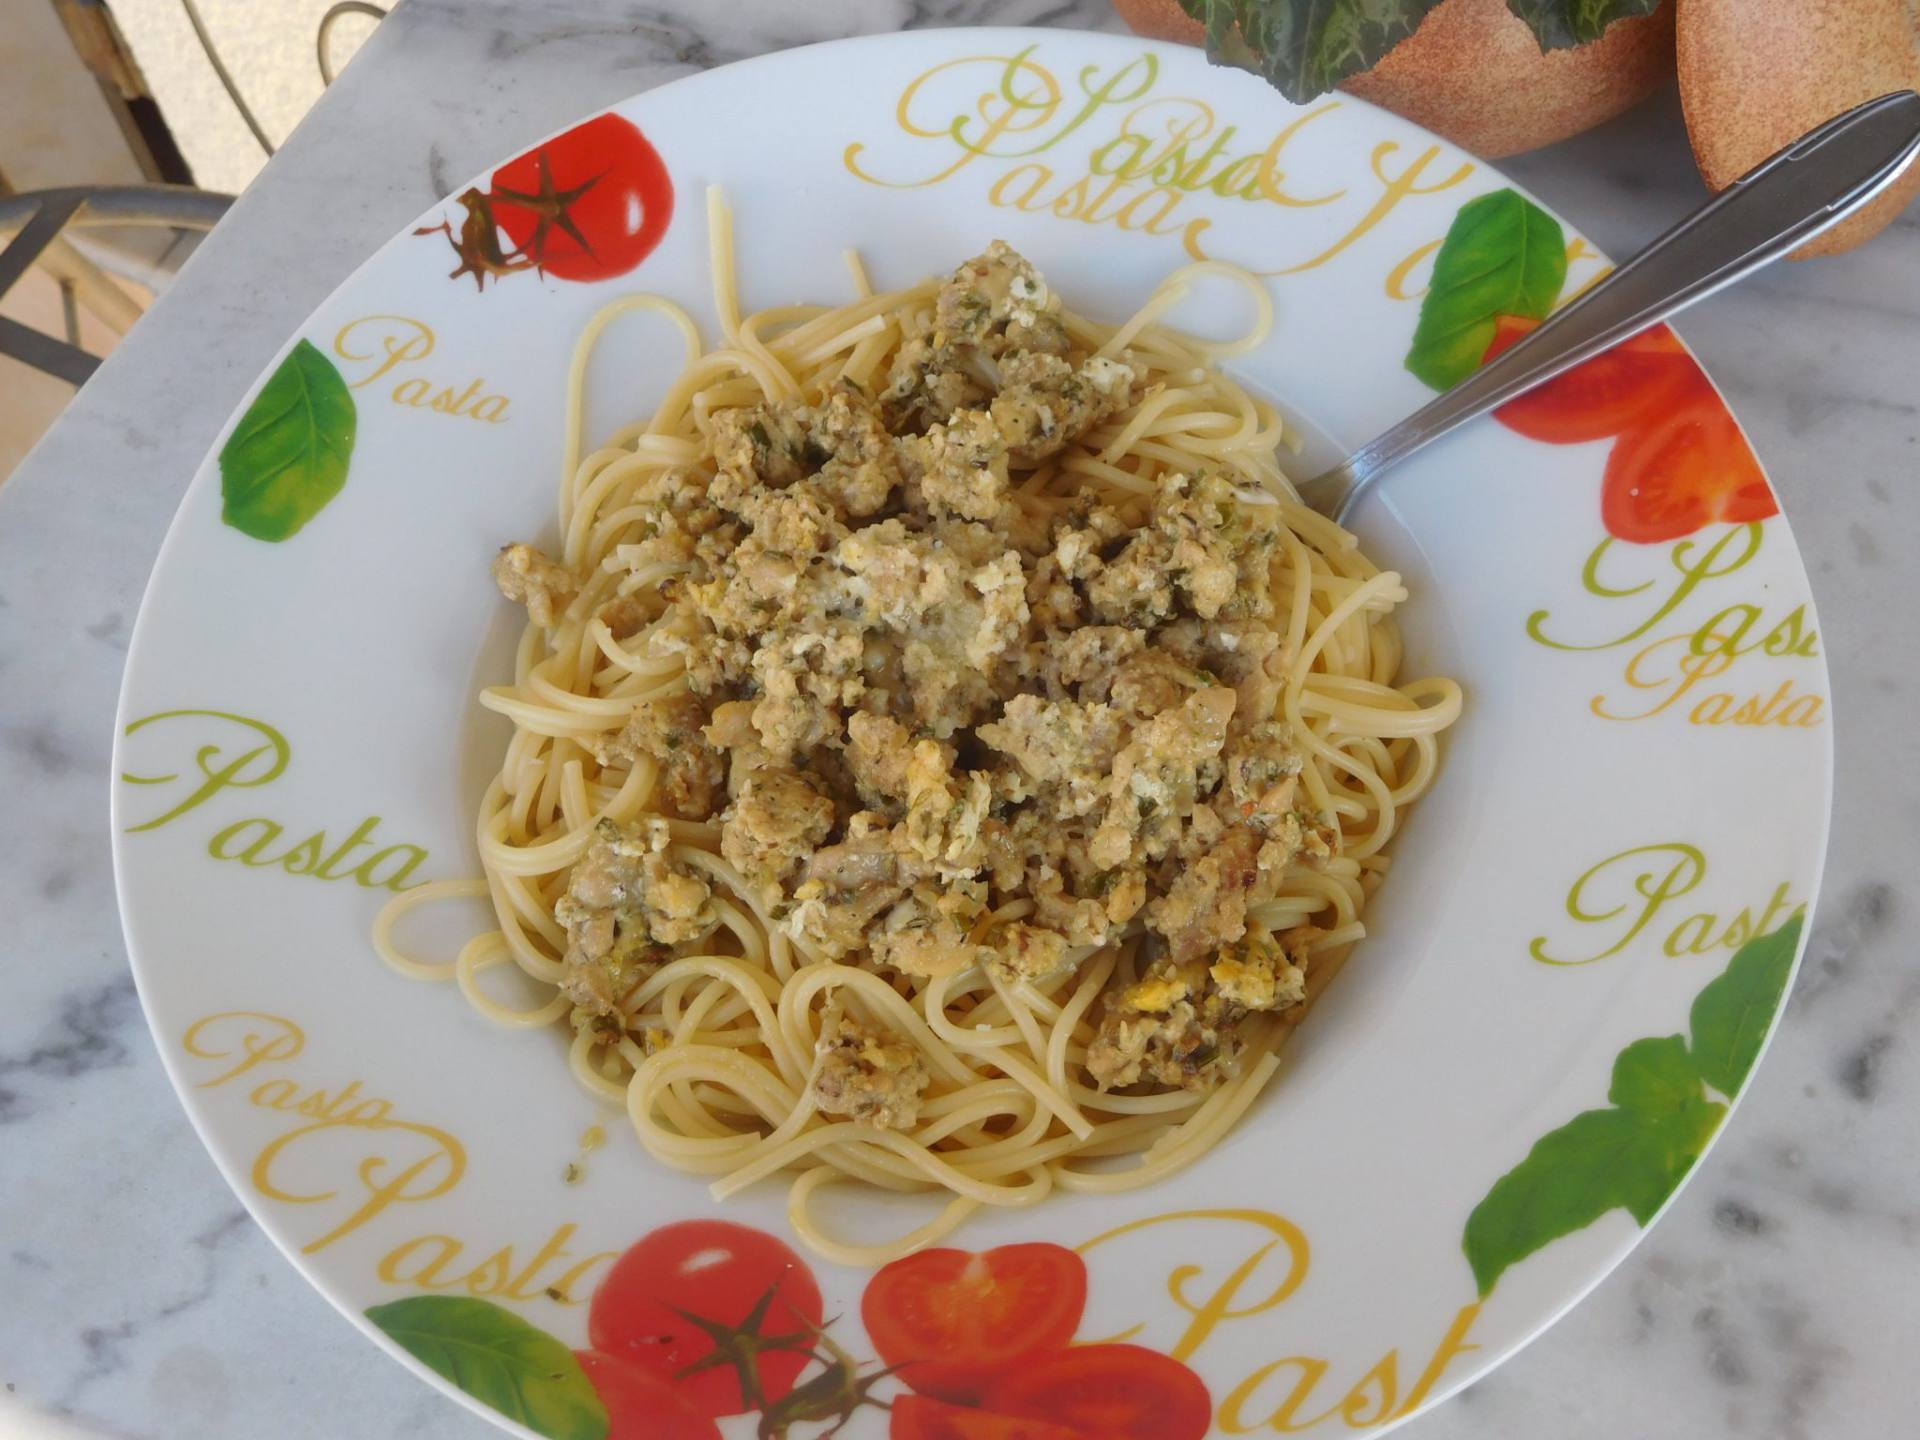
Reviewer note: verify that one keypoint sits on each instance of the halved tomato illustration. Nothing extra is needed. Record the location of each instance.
(1686, 468)
(915, 1417)
(1117, 1392)
(1635, 381)
(949, 1321)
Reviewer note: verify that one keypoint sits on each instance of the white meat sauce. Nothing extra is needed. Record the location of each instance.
(915, 700)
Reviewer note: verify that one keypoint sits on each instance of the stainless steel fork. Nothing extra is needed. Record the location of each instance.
(1780, 204)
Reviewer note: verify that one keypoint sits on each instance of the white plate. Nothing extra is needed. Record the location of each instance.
(1628, 826)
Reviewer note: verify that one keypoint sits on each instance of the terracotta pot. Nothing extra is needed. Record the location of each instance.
(1474, 73)
(1756, 75)
(1161, 20)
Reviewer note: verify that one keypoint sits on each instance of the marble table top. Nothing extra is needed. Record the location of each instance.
(1778, 1298)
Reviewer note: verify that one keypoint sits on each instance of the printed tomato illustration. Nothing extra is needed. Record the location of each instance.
(586, 205)
(642, 1405)
(950, 1321)
(1115, 1392)
(915, 1417)
(589, 204)
(1679, 462)
(728, 1314)
(1637, 379)
(1687, 468)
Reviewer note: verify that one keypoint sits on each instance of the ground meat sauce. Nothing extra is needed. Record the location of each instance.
(916, 695)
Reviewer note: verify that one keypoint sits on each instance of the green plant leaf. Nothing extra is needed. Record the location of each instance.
(500, 1360)
(1503, 255)
(1558, 24)
(288, 455)
(1655, 1078)
(1600, 1160)
(1304, 48)
(1730, 1018)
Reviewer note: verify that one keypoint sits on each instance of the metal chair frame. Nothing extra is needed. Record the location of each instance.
(40, 216)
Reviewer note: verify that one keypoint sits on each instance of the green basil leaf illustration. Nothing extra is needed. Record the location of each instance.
(1730, 1018)
(288, 455)
(1503, 255)
(500, 1360)
(1655, 1078)
(1634, 1155)
(1681, 1139)
(1600, 1160)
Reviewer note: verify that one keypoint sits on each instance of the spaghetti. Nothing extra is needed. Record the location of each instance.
(797, 1012)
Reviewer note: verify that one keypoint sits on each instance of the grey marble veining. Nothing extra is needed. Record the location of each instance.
(1776, 1301)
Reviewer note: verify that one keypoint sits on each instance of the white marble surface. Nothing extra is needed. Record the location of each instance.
(1777, 1300)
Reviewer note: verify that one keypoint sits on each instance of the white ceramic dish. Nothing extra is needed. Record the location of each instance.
(1589, 925)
